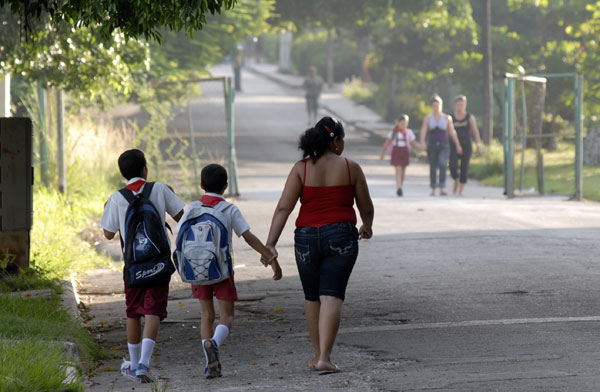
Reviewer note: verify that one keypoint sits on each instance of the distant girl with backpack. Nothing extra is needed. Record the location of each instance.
(398, 144)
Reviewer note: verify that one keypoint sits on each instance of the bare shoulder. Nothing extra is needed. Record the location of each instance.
(355, 167)
(449, 117)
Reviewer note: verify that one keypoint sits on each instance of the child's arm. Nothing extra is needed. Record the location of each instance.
(266, 254)
(385, 146)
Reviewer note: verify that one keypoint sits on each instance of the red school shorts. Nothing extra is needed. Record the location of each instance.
(224, 290)
(148, 301)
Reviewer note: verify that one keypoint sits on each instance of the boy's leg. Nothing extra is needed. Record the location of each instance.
(226, 314)
(151, 326)
(134, 337)
(208, 319)
(312, 310)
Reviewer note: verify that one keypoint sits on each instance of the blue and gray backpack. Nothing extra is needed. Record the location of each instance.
(203, 255)
(146, 247)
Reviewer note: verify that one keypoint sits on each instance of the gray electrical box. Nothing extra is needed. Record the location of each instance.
(16, 188)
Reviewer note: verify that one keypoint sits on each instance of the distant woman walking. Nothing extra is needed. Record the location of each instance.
(465, 125)
(326, 238)
(437, 128)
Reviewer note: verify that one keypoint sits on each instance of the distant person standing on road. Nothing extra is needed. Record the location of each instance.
(326, 238)
(465, 125)
(238, 62)
(437, 128)
(398, 144)
(313, 85)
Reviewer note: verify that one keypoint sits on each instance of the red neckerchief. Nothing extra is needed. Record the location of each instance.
(211, 201)
(136, 185)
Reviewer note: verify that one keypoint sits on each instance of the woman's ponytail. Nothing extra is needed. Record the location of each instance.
(316, 141)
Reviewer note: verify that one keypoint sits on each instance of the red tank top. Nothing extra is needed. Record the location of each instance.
(323, 205)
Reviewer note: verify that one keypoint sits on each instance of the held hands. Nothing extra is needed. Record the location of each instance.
(364, 233)
(272, 261)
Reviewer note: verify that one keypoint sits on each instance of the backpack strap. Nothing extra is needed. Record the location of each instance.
(147, 190)
(127, 194)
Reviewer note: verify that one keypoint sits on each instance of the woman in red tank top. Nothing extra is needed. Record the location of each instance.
(326, 238)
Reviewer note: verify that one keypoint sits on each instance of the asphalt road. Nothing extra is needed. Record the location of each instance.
(477, 293)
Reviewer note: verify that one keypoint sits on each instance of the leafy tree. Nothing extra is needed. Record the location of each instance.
(135, 19)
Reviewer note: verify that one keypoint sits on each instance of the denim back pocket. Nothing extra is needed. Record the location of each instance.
(302, 252)
(343, 247)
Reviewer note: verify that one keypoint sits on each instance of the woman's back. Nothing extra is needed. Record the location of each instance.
(329, 170)
(327, 192)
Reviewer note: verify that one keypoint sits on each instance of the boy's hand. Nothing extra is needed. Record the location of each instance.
(277, 273)
(266, 262)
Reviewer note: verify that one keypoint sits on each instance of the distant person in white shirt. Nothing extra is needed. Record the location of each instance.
(150, 303)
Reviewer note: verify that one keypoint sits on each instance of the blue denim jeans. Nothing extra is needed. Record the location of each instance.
(325, 257)
(438, 154)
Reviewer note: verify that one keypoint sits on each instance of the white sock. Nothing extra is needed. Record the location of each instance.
(134, 354)
(147, 348)
(221, 333)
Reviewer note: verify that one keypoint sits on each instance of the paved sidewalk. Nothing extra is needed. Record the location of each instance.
(477, 293)
(332, 100)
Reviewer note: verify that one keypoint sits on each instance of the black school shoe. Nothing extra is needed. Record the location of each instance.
(399, 192)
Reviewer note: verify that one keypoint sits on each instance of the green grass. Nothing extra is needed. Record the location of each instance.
(33, 365)
(559, 173)
(31, 330)
(57, 249)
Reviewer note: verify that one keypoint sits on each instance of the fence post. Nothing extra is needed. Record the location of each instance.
(42, 134)
(578, 137)
(60, 141)
(231, 154)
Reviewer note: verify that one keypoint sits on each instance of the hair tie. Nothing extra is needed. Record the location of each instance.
(331, 134)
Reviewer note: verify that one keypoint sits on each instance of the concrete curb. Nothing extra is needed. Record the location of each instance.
(69, 300)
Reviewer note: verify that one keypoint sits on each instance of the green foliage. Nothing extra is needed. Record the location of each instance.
(358, 91)
(489, 163)
(136, 19)
(27, 323)
(310, 49)
(558, 170)
(56, 246)
(34, 365)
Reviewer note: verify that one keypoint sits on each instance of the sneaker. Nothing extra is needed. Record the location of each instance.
(127, 372)
(144, 375)
(399, 192)
(211, 352)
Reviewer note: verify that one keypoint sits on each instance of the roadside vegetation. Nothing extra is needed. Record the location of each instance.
(559, 173)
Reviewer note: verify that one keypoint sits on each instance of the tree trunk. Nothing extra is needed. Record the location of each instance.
(488, 80)
(330, 57)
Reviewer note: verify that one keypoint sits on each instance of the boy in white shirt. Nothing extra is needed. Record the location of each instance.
(214, 183)
(150, 303)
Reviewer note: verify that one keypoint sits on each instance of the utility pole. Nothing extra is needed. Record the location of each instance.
(488, 80)
(60, 141)
(5, 95)
(330, 57)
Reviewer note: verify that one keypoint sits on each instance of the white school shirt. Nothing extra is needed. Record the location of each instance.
(163, 198)
(234, 220)
(398, 140)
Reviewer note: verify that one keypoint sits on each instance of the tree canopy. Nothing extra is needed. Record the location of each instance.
(133, 18)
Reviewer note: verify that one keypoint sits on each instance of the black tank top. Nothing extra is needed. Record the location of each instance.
(463, 128)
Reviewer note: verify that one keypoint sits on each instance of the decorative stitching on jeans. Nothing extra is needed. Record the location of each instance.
(302, 257)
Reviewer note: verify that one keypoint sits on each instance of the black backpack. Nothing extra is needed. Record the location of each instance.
(146, 247)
